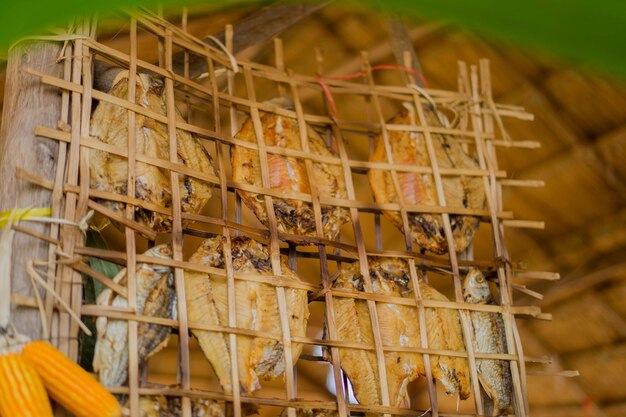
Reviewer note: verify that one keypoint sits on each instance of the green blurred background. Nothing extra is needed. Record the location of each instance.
(587, 33)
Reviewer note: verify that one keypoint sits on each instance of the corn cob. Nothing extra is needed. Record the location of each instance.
(22, 394)
(69, 384)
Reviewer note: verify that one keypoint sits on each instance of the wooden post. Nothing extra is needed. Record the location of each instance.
(28, 103)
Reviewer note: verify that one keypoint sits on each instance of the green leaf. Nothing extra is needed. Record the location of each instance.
(95, 240)
(589, 33)
(91, 289)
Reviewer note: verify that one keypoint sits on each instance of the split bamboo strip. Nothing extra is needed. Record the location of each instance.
(356, 165)
(364, 270)
(504, 284)
(463, 315)
(340, 378)
(550, 276)
(232, 112)
(222, 159)
(274, 243)
(88, 28)
(432, 390)
(432, 393)
(361, 205)
(177, 231)
(57, 196)
(248, 104)
(69, 235)
(129, 233)
(124, 313)
(276, 402)
(518, 375)
(317, 212)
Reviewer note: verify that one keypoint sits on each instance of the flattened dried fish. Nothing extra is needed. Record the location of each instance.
(289, 174)
(156, 297)
(311, 412)
(256, 309)
(161, 406)
(489, 337)
(399, 326)
(409, 148)
(109, 172)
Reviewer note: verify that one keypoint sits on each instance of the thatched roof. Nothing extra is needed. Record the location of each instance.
(580, 121)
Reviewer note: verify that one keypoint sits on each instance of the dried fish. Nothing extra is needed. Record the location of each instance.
(409, 148)
(161, 406)
(311, 412)
(156, 297)
(489, 337)
(399, 326)
(109, 172)
(256, 309)
(288, 174)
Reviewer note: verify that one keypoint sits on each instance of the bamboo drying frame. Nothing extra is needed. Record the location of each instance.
(72, 197)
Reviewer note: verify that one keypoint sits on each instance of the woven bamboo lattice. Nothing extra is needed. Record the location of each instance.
(213, 112)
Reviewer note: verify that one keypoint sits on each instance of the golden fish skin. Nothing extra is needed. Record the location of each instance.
(256, 309)
(399, 326)
(109, 172)
(161, 406)
(289, 174)
(311, 412)
(489, 337)
(156, 297)
(409, 148)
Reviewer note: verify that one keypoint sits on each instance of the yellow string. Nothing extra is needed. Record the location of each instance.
(24, 214)
(35, 214)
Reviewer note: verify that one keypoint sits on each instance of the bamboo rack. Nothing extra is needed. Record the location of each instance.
(225, 98)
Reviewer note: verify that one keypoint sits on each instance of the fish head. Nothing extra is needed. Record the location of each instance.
(391, 275)
(476, 288)
(151, 84)
(210, 252)
(163, 251)
(160, 251)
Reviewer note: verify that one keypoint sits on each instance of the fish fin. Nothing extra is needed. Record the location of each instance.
(488, 396)
(159, 347)
(201, 309)
(405, 402)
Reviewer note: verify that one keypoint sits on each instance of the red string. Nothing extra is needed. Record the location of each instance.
(362, 73)
(405, 69)
(588, 406)
(329, 96)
